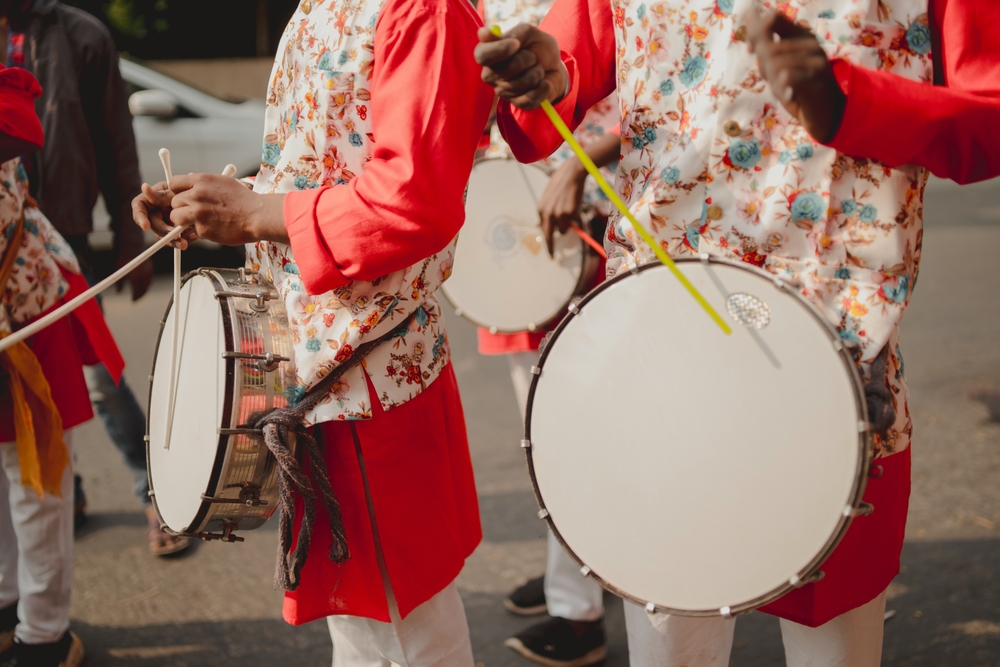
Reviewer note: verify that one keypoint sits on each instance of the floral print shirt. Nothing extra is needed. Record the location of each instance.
(36, 284)
(319, 133)
(712, 163)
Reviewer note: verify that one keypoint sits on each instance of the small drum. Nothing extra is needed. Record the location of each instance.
(503, 278)
(211, 474)
(689, 471)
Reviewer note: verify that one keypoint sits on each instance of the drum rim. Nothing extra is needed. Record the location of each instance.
(589, 263)
(222, 448)
(861, 474)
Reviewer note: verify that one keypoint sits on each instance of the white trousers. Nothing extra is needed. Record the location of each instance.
(36, 551)
(568, 594)
(853, 639)
(433, 634)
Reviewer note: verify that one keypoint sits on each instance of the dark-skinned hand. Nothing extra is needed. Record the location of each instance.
(523, 66)
(794, 64)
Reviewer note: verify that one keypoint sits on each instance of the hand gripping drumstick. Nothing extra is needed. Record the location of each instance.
(591, 168)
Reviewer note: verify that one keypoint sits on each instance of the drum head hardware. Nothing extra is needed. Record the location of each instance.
(799, 582)
(525, 444)
(748, 310)
(225, 536)
(863, 509)
(542, 514)
(267, 362)
(258, 303)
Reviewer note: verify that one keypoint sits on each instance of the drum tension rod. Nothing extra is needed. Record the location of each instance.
(258, 303)
(225, 536)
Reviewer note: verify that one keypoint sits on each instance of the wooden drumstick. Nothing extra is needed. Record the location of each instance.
(175, 336)
(592, 169)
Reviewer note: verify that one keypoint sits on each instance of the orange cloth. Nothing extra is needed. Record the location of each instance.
(42, 453)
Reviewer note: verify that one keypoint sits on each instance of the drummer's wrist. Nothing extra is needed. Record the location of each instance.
(267, 219)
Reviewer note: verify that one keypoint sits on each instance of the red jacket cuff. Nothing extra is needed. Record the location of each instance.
(313, 257)
(850, 136)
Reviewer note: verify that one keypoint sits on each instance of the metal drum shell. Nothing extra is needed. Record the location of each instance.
(812, 571)
(590, 264)
(242, 493)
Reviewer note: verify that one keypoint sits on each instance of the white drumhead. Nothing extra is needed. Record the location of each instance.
(687, 468)
(503, 277)
(180, 475)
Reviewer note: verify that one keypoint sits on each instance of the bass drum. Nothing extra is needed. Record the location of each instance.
(503, 278)
(689, 471)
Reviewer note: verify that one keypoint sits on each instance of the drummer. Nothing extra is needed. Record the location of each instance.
(575, 632)
(373, 116)
(43, 396)
(811, 165)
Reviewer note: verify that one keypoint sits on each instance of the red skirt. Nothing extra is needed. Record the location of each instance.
(419, 472)
(63, 348)
(865, 561)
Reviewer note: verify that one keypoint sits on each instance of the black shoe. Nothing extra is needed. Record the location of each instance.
(67, 652)
(527, 600)
(8, 622)
(561, 643)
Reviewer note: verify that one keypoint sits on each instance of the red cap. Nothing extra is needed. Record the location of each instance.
(18, 90)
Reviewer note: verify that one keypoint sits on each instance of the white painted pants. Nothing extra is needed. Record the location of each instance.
(568, 594)
(36, 551)
(853, 639)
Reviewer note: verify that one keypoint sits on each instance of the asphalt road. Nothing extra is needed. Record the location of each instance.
(216, 605)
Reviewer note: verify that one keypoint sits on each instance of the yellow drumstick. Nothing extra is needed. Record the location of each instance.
(591, 168)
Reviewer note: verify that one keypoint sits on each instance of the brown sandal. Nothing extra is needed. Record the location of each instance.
(160, 542)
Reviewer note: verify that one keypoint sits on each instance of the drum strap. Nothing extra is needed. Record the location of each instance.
(281, 428)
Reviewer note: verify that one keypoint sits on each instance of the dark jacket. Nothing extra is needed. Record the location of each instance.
(89, 144)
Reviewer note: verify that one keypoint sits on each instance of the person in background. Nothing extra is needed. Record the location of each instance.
(90, 150)
(43, 395)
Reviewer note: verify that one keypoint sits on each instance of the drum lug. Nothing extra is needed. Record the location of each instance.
(493, 331)
(532, 326)
(813, 578)
(258, 303)
(459, 312)
(726, 612)
(574, 306)
(267, 362)
(650, 608)
(226, 536)
(536, 370)
(543, 514)
(787, 284)
(585, 571)
(525, 444)
(864, 509)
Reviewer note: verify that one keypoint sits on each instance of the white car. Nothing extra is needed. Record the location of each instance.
(203, 133)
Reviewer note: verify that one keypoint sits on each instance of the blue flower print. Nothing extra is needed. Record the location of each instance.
(342, 58)
(638, 141)
(725, 6)
(897, 293)
(271, 154)
(744, 154)
(667, 87)
(804, 150)
(355, 139)
(641, 11)
(295, 394)
(324, 62)
(918, 37)
(692, 235)
(850, 336)
(785, 157)
(670, 175)
(808, 206)
(301, 182)
(291, 268)
(848, 207)
(695, 69)
(843, 273)
(902, 366)
(868, 213)
(649, 135)
(827, 14)
(20, 173)
(420, 315)
(312, 345)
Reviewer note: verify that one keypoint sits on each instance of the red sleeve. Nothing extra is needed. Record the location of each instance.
(428, 107)
(18, 90)
(585, 32)
(951, 128)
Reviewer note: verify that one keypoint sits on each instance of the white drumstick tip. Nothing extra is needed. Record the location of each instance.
(230, 170)
(165, 161)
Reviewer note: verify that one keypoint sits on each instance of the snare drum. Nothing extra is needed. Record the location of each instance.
(692, 472)
(215, 475)
(503, 278)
